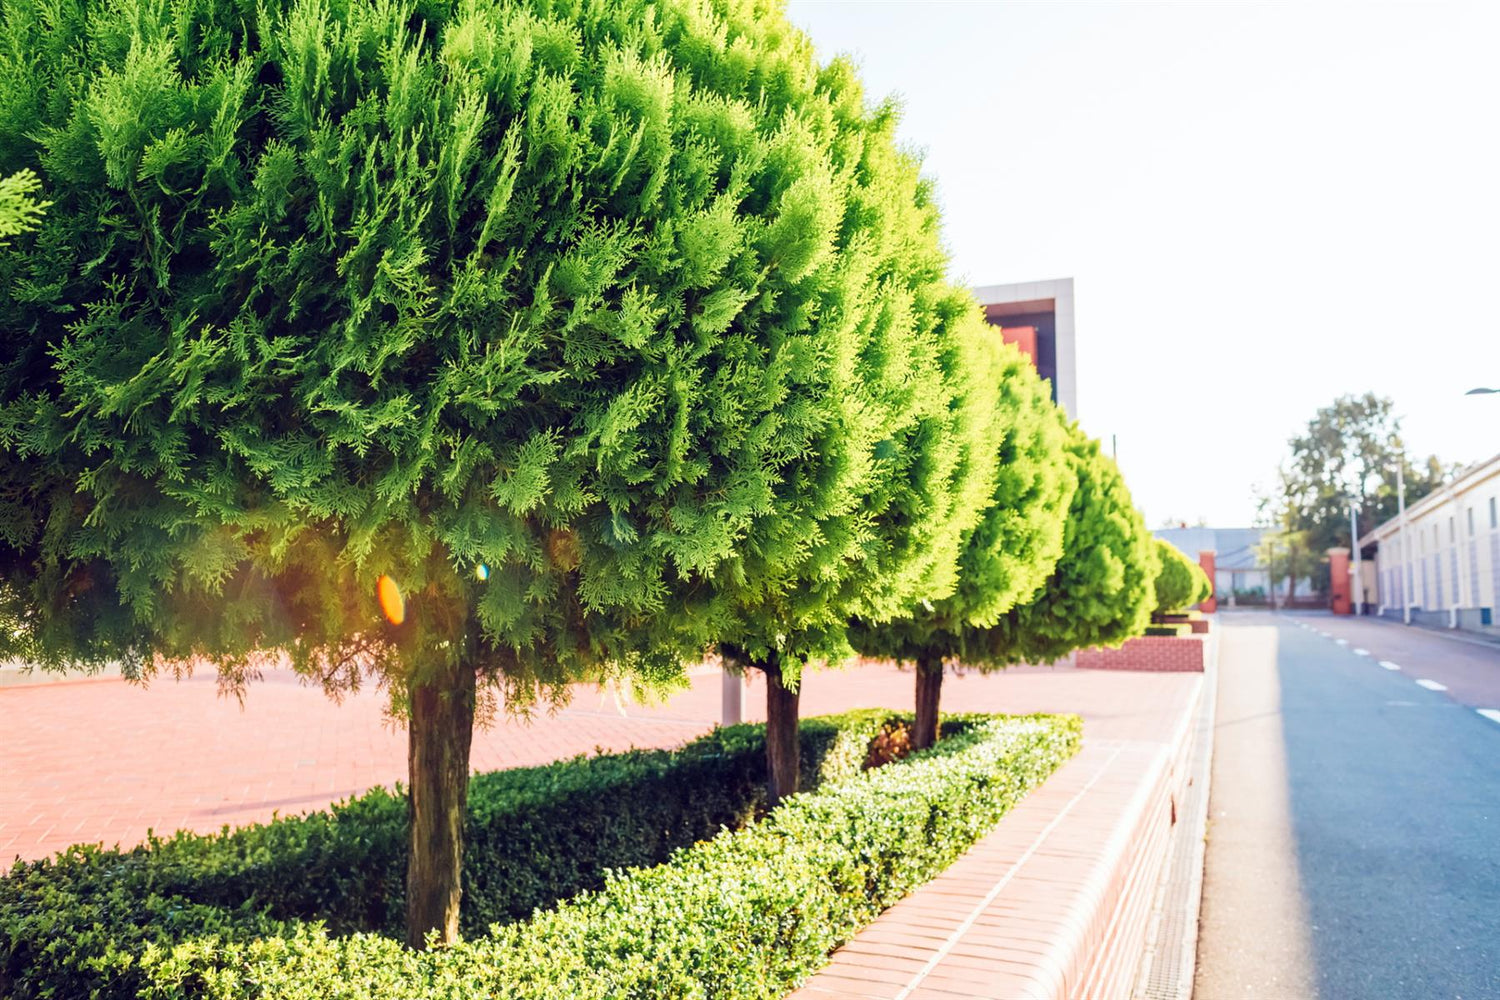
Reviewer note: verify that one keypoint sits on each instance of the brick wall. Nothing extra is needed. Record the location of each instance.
(1162, 653)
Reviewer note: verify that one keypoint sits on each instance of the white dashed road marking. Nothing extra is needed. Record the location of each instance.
(1342, 642)
(1389, 665)
(1493, 714)
(1432, 685)
(1361, 652)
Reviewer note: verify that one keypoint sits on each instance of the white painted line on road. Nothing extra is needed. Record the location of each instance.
(1389, 665)
(1432, 685)
(1493, 714)
(1342, 642)
(1361, 652)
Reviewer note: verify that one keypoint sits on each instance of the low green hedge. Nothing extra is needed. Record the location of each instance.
(748, 914)
(75, 925)
(1168, 629)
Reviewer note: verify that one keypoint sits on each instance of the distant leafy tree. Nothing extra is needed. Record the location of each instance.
(1286, 548)
(1349, 452)
(1181, 582)
(1102, 590)
(1008, 555)
(483, 346)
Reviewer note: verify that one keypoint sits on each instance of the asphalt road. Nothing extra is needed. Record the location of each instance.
(1354, 830)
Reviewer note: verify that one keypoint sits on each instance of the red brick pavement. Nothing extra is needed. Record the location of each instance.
(1055, 902)
(1151, 652)
(104, 760)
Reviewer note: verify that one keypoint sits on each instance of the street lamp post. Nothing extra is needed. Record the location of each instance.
(1406, 582)
(1271, 572)
(1358, 589)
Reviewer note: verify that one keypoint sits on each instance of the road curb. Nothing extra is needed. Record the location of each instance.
(1152, 933)
(1170, 960)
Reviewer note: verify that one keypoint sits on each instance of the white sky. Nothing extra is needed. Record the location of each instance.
(1263, 206)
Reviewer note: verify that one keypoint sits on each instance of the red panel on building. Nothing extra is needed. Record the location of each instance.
(1339, 597)
(1023, 337)
(1211, 603)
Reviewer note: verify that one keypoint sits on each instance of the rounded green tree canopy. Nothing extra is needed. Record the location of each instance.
(593, 330)
(1181, 582)
(1101, 592)
(1013, 549)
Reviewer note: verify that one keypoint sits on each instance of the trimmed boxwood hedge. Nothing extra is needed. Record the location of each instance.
(75, 925)
(1169, 628)
(748, 914)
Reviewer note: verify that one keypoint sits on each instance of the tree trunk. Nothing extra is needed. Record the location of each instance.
(439, 737)
(929, 691)
(783, 750)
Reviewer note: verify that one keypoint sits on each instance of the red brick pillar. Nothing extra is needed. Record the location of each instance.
(1206, 560)
(1338, 581)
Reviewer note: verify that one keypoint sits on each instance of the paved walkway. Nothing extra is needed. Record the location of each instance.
(106, 761)
(1054, 903)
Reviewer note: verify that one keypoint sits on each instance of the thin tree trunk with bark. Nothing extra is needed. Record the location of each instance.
(439, 737)
(783, 750)
(929, 692)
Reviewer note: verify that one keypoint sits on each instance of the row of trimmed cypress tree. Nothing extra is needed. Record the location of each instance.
(604, 332)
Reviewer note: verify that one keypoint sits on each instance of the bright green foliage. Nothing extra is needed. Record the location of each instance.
(1181, 582)
(1012, 551)
(1102, 590)
(745, 916)
(19, 209)
(79, 923)
(604, 328)
(924, 480)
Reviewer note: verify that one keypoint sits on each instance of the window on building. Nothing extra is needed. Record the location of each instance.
(1452, 531)
(1493, 522)
(1470, 513)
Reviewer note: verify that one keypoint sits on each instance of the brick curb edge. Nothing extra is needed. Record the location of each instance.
(1167, 968)
(1148, 926)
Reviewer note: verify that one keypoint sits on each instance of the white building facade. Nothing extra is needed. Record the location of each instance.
(1443, 561)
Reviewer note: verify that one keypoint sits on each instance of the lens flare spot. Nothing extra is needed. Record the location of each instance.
(481, 572)
(391, 603)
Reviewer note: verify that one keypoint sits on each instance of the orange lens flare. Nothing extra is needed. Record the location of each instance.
(391, 603)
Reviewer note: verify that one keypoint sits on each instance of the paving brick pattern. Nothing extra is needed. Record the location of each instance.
(106, 761)
(1054, 903)
(1183, 653)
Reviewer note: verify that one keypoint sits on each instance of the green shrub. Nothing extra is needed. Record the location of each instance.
(75, 925)
(1168, 628)
(1181, 582)
(1100, 592)
(604, 330)
(1006, 558)
(748, 914)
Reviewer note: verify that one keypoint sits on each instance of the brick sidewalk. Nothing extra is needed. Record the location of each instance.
(103, 760)
(1054, 903)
